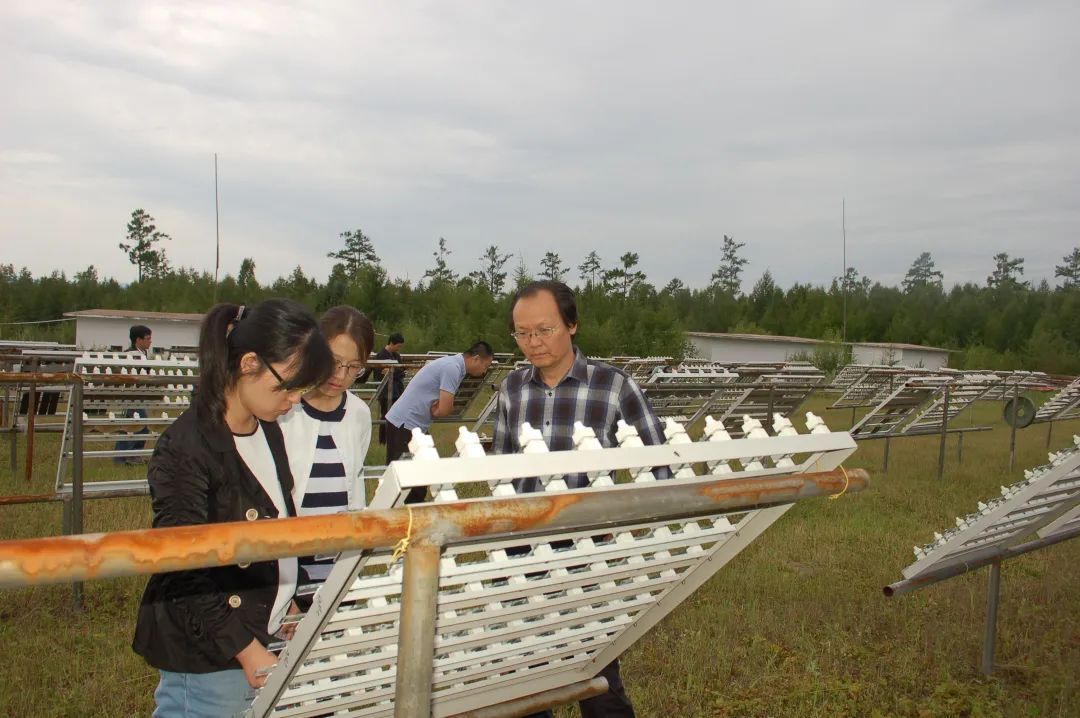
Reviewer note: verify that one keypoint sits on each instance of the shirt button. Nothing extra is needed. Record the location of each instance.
(251, 514)
(550, 394)
(547, 423)
(234, 601)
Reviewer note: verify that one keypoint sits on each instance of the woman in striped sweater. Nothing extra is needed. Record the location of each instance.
(328, 432)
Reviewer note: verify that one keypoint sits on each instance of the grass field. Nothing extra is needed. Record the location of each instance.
(796, 625)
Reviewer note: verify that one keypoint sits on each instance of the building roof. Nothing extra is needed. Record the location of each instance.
(901, 345)
(806, 340)
(135, 314)
(755, 337)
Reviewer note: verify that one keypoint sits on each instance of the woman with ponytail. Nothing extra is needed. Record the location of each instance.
(328, 433)
(207, 630)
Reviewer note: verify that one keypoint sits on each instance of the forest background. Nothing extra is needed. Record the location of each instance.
(1005, 323)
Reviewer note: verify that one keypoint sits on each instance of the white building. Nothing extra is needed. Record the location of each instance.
(105, 328)
(914, 355)
(768, 348)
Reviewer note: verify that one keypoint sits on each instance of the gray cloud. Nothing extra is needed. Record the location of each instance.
(614, 126)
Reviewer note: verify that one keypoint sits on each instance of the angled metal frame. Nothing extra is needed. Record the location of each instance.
(536, 611)
(1046, 503)
(104, 406)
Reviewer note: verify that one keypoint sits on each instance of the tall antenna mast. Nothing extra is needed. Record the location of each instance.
(217, 232)
(843, 280)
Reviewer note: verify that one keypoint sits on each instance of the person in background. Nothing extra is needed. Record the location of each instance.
(394, 388)
(141, 338)
(223, 459)
(562, 387)
(327, 434)
(430, 395)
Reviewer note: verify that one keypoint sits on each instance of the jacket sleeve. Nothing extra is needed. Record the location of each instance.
(180, 492)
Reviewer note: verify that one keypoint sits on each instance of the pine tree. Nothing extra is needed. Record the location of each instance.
(1006, 273)
(621, 280)
(922, 273)
(726, 276)
(358, 252)
(490, 274)
(553, 268)
(441, 273)
(1070, 270)
(590, 269)
(245, 278)
(142, 235)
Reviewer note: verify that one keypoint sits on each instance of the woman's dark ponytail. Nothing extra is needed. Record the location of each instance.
(276, 330)
(214, 360)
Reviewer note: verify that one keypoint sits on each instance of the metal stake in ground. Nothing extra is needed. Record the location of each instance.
(993, 591)
(944, 433)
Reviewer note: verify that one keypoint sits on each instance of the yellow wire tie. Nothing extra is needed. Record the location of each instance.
(846, 484)
(403, 545)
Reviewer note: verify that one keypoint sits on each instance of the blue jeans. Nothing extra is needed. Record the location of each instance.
(220, 694)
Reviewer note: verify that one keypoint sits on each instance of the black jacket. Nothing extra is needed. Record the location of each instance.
(397, 381)
(197, 621)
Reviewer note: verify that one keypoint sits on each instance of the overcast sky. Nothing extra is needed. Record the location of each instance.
(949, 127)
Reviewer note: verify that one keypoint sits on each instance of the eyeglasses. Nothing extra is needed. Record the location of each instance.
(281, 382)
(349, 367)
(544, 333)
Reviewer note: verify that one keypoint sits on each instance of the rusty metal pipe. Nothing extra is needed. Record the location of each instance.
(416, 631)
(126, 553)
(976, 559)
(67, 377)
(527, 705)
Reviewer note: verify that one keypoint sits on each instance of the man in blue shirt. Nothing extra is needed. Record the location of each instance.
(430, 395)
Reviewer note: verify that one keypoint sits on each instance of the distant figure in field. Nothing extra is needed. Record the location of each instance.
(430, 395)
(394, 388)
(141, 338)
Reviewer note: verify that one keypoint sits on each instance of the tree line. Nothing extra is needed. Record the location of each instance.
(1005, 323)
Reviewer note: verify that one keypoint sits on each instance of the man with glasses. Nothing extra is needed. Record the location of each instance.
(562, 387)
(430, 395)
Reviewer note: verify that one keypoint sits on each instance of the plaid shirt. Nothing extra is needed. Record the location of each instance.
(594, 393)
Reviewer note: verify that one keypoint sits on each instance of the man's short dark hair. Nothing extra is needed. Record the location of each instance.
(139, 331)
(481, 349)
(564, 299)
(395, 338)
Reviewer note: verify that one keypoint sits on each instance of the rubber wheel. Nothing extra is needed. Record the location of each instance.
(1019, 412)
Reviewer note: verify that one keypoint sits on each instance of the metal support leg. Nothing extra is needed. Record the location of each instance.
(852, 417)
(416, 631)
(31, 414)
(1012, 434)
(944, 433)
(77, 476)
(960, 448)
(1049, 432)
(993, 590)
(885, 468)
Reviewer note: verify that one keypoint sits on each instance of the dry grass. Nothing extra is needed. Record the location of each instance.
(794, 626)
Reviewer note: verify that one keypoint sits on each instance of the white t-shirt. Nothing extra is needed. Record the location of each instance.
(255, 453)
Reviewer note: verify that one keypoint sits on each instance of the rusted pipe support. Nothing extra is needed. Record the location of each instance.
(537, 702)
(67, 377)
(125, 553)
(416, 631)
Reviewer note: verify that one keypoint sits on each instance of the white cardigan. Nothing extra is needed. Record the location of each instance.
(352, 435)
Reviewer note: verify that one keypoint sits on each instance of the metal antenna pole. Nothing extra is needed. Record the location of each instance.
(843, 277)
(217, 232)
